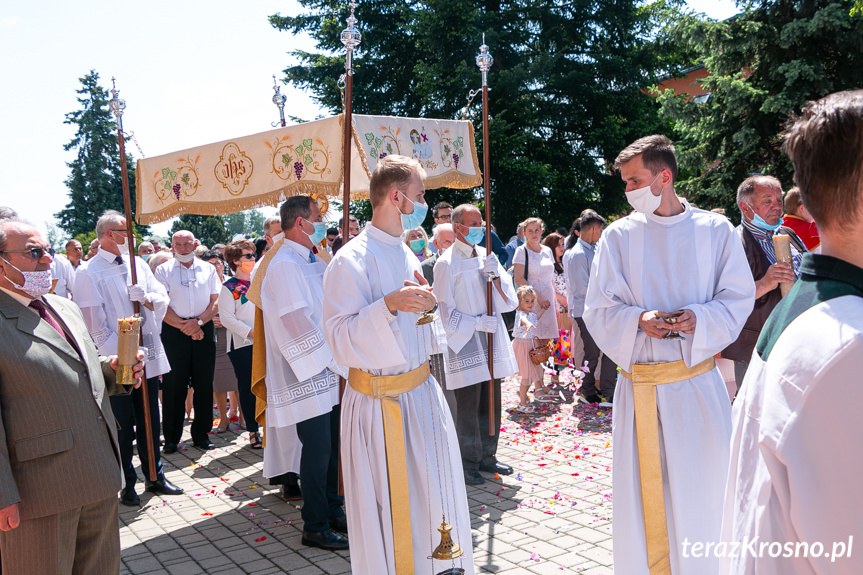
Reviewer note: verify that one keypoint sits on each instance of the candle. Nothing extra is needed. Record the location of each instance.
(782, 247)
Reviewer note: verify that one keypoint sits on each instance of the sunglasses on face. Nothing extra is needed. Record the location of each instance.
(35, 253)
(248, 257)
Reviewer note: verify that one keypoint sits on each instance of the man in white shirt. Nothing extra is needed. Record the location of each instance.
(577, 262)
(793, 482)
(63, 271)
(400, 454)
(189, 339)
(666, 261)
(302, 376)
(461, 275)
(105, 294)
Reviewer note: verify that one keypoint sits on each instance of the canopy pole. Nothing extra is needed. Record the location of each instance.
(117, 106)
(484, 61)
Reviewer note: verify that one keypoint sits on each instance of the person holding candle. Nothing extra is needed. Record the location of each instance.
(760, 201)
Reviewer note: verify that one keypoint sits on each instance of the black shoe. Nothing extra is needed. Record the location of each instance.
(593, 398)
(129, 497)
(328, 539)
(339, 524)
(163, 487)
(205, 445)
(291, 492)
(170, 448)
(472, 477)
(497, 467)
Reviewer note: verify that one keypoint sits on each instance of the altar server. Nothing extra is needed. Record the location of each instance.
(302, 377)
(462, 274)
(400, 455)
(793, 482)
(667, 257)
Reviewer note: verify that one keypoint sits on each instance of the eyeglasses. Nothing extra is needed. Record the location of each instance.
(35, 253)
(248, 257)
(443, 217)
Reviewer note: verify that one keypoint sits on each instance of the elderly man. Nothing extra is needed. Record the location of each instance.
(59, 468)
(302, 376)
(462, 273)
(667, 262)
(74, 253)
(189, 338)
(145, 250)
(760, 202)
(442, 238)
(272, 228)
(105, 294)
(399, 449)
(794, 476)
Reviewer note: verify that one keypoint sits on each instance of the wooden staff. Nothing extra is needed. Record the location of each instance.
(351, 38)
(484, 61)
(117, 106)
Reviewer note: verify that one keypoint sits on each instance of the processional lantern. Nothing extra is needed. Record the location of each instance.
(279, 100)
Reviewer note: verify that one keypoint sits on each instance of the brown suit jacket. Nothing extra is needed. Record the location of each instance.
(58, 437)
(741, 348)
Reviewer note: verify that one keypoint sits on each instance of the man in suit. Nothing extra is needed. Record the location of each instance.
(442, 238)
(59, 458)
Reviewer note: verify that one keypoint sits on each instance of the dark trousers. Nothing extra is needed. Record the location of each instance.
(608, 381)
(471, 425)
(191, 362)
(241, 359)
(129, 413)
(319, 470)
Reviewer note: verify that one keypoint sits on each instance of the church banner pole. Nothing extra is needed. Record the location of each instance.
(117, 106)
(351, 38)
(484, 61)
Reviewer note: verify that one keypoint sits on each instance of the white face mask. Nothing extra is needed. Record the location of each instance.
(36, 284)
(123, 249)
(184, 259)
(642, 200)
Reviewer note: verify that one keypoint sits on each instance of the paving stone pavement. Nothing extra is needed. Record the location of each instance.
(553, 515)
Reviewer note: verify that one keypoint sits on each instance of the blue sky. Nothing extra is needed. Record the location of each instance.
(191, 72)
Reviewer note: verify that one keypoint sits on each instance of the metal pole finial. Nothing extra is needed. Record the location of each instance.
(115, 103)
(351, 38)
(279, 100)
(484, 60)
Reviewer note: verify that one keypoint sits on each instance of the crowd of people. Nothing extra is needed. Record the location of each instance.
(643, 311)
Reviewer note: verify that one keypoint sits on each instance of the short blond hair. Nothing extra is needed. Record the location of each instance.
(530, 221)
(392, 171)
(523, 291)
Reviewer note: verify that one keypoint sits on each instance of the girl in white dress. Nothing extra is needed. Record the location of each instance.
(522, 342)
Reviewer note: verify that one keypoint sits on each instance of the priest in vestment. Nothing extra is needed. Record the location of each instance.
(302, 376)
(462, 274)
(667, 257)
(794, 480)
(400, 455)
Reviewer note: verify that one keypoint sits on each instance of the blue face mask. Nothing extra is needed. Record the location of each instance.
(474, 235)
(759, 222)
(320, 231)
(415, 219)
(145, 256)
(418, 245)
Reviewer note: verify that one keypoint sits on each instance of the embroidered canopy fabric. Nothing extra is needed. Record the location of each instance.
(266, 168)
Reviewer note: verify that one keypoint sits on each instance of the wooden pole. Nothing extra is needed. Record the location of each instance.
(486, 162)
(130, 239)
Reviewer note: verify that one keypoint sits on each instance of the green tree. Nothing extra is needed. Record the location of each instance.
(764, 64)
(248, 223)
(94, 182)
(566, 86)
(210, 230)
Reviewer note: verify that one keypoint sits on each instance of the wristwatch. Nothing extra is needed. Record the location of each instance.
(200, 323)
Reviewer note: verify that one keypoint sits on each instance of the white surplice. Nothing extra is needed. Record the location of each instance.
(102, 293)
(363, 335)
(302, 378)
(693, 260)
(460, 288)
(795, 465)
